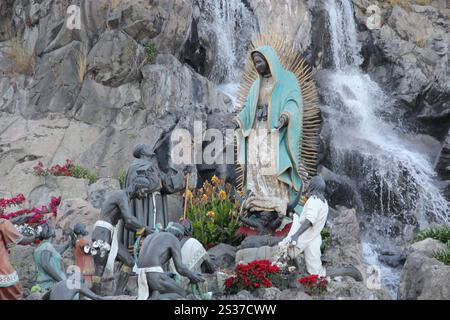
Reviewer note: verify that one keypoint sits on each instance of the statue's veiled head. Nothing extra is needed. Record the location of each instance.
(261, 64)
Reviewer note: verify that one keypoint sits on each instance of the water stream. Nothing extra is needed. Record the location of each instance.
(392, 168)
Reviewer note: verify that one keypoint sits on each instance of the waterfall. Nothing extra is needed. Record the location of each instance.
(232, 25)
(392, 169)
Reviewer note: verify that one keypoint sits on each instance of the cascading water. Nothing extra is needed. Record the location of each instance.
(392, 169)
(232, 24)
(393, 174)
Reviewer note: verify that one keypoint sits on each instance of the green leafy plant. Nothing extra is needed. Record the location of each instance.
(326, 238)
(314, 284)
(68, 169)
(443, 255)
(151, 52)
(441, 233)
(122, 176)
(214, 216)
(81, 172)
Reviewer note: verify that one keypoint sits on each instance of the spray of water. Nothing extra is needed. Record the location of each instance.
(232, 24)
(394, 176)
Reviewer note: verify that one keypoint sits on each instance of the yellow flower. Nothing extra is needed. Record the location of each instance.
(211, 214)
(303, 200)
(204, 198)
(188, 194)
(215, 180)
(222, 195)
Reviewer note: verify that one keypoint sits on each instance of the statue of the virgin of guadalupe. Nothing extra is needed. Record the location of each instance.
(277, 131)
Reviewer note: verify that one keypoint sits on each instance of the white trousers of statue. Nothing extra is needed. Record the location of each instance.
(309, 242)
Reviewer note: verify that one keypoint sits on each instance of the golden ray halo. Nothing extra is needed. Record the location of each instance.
(291, 60)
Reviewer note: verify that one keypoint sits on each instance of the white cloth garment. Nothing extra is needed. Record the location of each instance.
(309, 242)
(109, 268)
(270, 194)
(192, 255)
(143, 290)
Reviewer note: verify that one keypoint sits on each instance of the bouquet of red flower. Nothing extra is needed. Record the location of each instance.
(33, 217)
(56, 170)
(314, 284)
(251, 276)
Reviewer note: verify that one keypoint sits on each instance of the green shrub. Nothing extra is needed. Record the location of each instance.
(423, 2)
(405, 4)
(326, 239)
(214, 216)
(443, 255)
(441, 233)
(151, 51)
(122, 176)
(81, 172)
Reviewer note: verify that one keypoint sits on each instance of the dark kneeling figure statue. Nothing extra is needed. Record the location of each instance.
(156, 252)
(105, 236)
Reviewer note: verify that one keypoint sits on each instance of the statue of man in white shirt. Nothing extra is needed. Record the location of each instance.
(304, 235)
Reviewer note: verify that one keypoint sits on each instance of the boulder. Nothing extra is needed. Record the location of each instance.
(55, 84)
(73, 211)
(345, 247)
(294, 294)
(241, 295)
(442, 165)
(119, 105)
(100, 190)
(267, 293)
(223, 255)
(116, 59)
(423, 277)
(163, 22)
(347, 288)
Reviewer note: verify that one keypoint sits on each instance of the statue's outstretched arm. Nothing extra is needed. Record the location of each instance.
(131, 222)
(26, 241)
(305, 226)
(180, 267)
(62, 248)
(85, 291)
(45, 261)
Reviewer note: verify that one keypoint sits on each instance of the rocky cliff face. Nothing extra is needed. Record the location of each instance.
(92, 94)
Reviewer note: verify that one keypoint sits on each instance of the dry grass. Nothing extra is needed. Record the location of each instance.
(82, 63)
(421, 42)
(402, 3)
(423, 2)
(24, 58)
